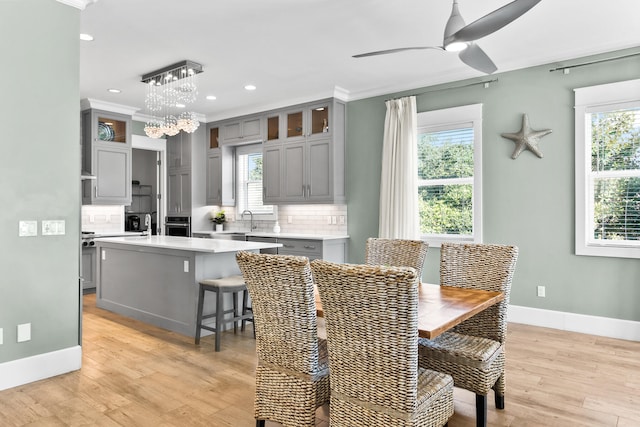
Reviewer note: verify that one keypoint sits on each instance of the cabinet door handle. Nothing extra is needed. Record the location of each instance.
(264, 193)
(95, 191)
(308, 190)
(304, 191)
(309, 247)
(288, 246)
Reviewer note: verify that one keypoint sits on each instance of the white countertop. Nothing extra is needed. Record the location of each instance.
(213, 234)
(190, 244)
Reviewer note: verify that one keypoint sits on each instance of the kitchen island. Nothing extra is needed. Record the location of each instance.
(155, 278)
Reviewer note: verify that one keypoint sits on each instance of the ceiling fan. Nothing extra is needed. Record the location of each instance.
(459, 37)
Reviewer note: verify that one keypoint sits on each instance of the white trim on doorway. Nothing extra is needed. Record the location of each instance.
(160, 146)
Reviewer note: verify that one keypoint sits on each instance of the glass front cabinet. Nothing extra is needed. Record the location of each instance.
(106, 156)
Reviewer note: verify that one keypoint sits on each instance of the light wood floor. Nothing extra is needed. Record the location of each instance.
(134, 374)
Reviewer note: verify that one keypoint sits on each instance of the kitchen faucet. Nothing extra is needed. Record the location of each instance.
(242, 218)
(147, 223)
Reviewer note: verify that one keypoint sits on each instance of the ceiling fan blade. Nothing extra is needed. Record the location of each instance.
(400, 49)
(493, 21)
(475, 57)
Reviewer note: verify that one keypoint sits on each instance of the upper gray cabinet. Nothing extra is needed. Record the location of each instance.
(304, 158)
(106, 154)
(179, 174)
(220, 170)
(308, 121)
(248, 129)
(179, 150)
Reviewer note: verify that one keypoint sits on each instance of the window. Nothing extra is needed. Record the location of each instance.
(449, 174)
(249, 183)
(608, 170)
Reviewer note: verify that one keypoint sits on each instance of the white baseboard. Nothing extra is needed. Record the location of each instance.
(39, 367)
(592, 325)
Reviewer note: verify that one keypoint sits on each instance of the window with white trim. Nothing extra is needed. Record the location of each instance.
(450, 174)
(608, 170)
(249, 183)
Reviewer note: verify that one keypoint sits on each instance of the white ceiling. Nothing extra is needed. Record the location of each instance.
(300, 50)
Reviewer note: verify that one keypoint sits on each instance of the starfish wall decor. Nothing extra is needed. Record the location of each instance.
(526, 138)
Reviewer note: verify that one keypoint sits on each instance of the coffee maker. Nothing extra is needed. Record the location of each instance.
(133, 223)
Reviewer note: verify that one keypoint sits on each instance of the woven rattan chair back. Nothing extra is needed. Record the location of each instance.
(372, 336)
(396, 253)
(292, 377)
(481, 266)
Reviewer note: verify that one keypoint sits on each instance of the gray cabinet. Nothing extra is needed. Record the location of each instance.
(214, 177)
(88, 267)
(242, 130)
(333, 250)
(272, 173)
(179, 150)
(308, 121)
(106, 154)
(179, 191)
(307, 164)
(220, 170)
(179, 174)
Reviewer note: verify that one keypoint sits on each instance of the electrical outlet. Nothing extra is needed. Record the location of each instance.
(289, 219)
(24, 332)
(341, 219)
(186, 265)
(542, 291)
(329, 220)
(334, 220)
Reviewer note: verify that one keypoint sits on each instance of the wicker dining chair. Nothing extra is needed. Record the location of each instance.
(371, 317)
(292, 376)
(473, 352)
(396, 253)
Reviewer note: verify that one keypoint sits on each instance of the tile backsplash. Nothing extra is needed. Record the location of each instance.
(302, 219)
(103, 218)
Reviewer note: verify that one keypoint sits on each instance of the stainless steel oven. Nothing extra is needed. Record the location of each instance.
(177, 226)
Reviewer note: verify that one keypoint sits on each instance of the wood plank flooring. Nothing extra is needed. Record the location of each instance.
(134, 374)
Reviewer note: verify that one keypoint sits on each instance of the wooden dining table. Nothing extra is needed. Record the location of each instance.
(440, 308)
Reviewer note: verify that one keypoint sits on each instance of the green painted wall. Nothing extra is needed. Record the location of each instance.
(528, 202)
(39, 172)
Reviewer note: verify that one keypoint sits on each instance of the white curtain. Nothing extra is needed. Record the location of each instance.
(399, 180)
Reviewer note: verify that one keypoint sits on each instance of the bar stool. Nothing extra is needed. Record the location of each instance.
(230, 284)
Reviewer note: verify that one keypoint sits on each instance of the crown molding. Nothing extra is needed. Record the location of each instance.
(87, 103)
(143, 117)
(78, 4)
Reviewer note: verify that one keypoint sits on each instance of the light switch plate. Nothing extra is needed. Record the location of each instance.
(27, 228)
(53, 227)
(186, 265)
(1, 336)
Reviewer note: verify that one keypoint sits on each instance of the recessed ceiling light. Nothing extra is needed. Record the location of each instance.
(86, 37)
(250, 87)
(211, 97)
(113, 90)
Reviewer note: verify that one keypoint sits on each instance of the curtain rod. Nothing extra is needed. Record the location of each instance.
(566, 68)
(484, 82)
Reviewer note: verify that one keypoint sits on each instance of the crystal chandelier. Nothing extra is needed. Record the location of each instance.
(169, 91)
